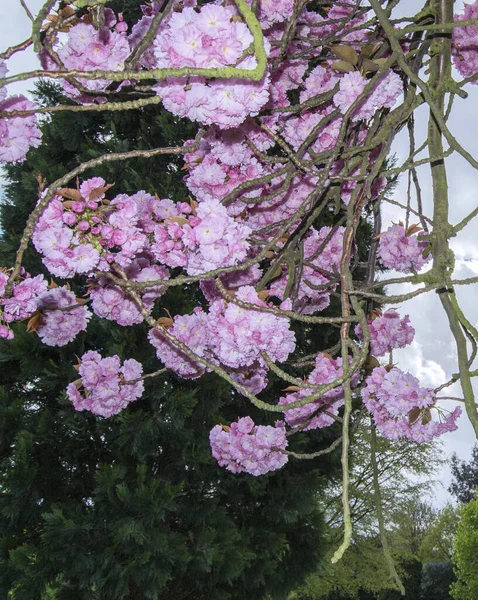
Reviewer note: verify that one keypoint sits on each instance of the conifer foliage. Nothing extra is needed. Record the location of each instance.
(133, 506)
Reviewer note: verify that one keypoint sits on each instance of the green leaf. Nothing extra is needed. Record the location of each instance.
(345, 53)
(342, 66)
(83, 3)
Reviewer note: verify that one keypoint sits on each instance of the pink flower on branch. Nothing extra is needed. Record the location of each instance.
(106, 387)
(250, 448)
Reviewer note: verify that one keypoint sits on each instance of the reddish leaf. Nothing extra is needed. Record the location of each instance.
(78, 364)
(165, 322)
(413, 229)
(370, 363)
(99, 191)
(66, 12)
(179, 220)
(414, 415)
(71, 193)
(35, 323)
(194, 204)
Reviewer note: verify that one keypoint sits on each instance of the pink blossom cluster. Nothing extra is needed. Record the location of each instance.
(287, 76)
(208, 38)
(465, 42)
(58, 236)
(297, 129)
(60, 323)
(239, 335)
(221, 164)
(75, 236)
(387, 332)
(120, 237)
(111, 302)
(401, 408)
(320, 412)
(202, 242)
(89, 49)
(230, 335)
(191, 330)
(384, 95)
(17, 134)
(342, 23)
(323, 251)
(22, 303)
(246, 447)
(274, 11)
(400, 251)
(320, 80)
(231, 281)
(105, 387)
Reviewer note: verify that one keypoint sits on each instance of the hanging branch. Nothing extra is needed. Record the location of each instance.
(378, 507)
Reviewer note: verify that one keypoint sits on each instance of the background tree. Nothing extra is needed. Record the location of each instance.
(465, 554)
(436, 553)
(134, 506)
(437, 541)
(410, 521)
(437, 578)
(465, 474)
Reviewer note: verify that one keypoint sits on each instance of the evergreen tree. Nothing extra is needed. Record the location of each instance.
(437, 578)
(465, 477)
(134, 506)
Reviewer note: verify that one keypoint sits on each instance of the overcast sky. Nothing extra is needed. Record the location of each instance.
(432, 357)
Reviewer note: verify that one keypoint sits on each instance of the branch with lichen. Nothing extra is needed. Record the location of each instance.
(379, 511)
